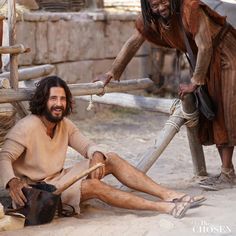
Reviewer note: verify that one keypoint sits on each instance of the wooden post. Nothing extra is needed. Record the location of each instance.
(13, 57)
(12, 41)
(93, 4)
(196, 149)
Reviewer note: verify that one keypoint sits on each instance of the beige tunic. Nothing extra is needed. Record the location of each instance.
(30, 154)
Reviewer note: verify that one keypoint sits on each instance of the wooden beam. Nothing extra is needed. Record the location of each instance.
(133, 101)
(24, 94)
(32, 72)
(13, 57)
(15, 49)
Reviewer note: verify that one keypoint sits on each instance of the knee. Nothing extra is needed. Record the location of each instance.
(90, 187)
(112, 158)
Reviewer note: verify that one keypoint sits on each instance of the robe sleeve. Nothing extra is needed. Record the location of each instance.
(203, 41)
(10, 152)
(82, 144)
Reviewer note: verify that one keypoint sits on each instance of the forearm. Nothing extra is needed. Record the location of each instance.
(9, 153)
(204, 44)
(127, 52)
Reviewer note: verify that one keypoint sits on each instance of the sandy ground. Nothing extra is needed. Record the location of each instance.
(130, 133)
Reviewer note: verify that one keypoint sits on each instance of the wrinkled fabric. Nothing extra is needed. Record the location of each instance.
(220, 77)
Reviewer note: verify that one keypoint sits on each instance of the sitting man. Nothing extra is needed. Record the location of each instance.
(35, 150)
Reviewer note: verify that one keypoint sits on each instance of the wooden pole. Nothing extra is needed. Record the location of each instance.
(162, 141)
(15, 49)
(176, 120)
(133, 101)
(12, 41)
(199, 165)
(76, 178)
(13, 57)
(32, 72)
(24, 94)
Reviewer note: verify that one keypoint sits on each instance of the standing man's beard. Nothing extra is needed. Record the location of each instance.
(160, 17)
(54, 119)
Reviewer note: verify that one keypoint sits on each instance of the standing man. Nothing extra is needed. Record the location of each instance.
(35, 151)
(213, 43)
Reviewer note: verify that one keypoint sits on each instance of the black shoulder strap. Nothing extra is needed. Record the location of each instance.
(190, 56)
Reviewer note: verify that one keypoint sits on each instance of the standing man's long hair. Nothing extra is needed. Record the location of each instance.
(149, 16)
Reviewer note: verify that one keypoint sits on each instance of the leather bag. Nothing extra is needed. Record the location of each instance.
(203, 99)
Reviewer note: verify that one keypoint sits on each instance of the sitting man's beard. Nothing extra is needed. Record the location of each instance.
(54, 119)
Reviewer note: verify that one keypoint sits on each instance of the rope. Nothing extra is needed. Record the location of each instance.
(172, 123)
(191, 118)
(91, 105)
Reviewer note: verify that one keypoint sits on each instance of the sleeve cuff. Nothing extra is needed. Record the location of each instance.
(197, 82)
(96, 148)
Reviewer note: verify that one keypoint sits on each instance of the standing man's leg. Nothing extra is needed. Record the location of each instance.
(227, 178)
(226, 154)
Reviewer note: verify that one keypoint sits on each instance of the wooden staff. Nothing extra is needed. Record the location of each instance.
(76, 178)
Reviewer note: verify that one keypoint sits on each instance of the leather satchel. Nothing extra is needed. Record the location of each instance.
(203, 100)
(204, 103)
(42, 205)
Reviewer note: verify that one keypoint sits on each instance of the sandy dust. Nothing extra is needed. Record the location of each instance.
(130, 133)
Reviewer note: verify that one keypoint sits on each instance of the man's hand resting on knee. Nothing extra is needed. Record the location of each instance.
(99, 173)
(15, 186)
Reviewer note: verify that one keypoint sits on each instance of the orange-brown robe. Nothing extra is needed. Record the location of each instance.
(220, 69)
(1, 36)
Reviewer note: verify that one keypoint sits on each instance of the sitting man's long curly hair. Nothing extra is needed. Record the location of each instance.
(38, 103)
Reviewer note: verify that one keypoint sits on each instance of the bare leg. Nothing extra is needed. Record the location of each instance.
(93, 188)
(136, 179)
(226, 154)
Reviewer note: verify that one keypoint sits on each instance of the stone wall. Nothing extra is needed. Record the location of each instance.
(80, 45)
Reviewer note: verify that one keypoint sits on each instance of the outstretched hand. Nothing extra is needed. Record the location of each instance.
(15, 190)
(185, 89)
(99, 173)
(105, 78)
